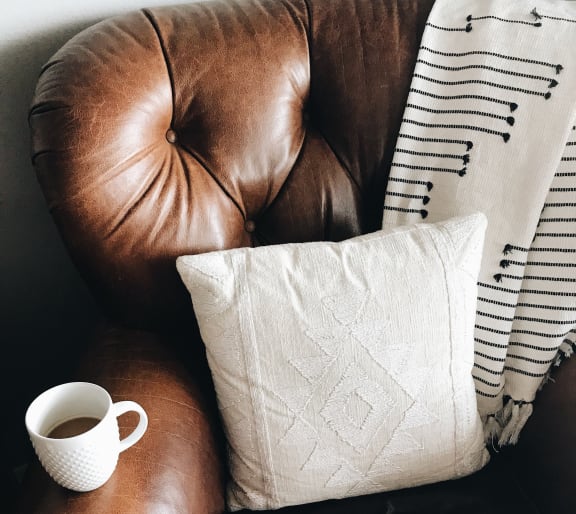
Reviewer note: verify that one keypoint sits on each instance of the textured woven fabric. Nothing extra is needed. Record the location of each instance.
(544, 327)
(490, 111)
(343, 368)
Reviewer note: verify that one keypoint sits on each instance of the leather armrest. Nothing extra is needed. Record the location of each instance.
(545, 456)
(177, 466)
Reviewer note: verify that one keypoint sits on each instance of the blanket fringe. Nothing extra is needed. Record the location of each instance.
(565, 351)
(548, 377)
(515, 415)
(492, 430)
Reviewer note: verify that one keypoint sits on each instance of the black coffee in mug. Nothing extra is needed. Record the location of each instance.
(84, 410)
(73, 427)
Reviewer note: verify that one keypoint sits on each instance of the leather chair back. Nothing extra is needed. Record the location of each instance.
(216, 125)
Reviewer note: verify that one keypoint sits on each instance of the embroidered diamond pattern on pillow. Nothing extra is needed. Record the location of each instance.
(355, 385)
(343, 368)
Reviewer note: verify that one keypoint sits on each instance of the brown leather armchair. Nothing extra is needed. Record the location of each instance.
(222, 124)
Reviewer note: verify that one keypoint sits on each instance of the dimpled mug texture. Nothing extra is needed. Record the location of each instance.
(79, 455)
(84, 468)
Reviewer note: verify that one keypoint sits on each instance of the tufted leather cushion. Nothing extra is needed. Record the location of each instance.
(216, 125)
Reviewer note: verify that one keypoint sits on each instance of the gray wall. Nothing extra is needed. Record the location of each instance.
(44, 305)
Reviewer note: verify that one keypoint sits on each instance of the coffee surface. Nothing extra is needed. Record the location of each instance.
(73, 427)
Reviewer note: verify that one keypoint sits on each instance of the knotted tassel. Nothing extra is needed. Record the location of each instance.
(547, 378)
(520, 413)
(506, 412)
(492, 430)
(566, 349)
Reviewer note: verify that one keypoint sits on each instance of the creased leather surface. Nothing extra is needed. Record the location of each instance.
(215, 125)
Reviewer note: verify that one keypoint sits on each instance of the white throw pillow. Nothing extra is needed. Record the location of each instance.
(343, 368)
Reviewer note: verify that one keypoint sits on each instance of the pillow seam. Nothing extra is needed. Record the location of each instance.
(446, 254)
(249, 348)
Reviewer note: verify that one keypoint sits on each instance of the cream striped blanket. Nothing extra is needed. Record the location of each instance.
(490, 126)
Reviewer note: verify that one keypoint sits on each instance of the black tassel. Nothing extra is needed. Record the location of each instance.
(424, 213)
(505, 137)
(510, 120)
(513, 106)
(469, 145)
(466, 158)
(534, 13)
(498, 277)
(462, 172)
(553, 83)
(547, 95)
(469, 17)
(507, 249)
(559, 68)
(425, 200)
(504, 263)
(429, 186)
(469, 27)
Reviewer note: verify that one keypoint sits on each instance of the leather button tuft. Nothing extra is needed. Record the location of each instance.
(171, 136)
(250, 226)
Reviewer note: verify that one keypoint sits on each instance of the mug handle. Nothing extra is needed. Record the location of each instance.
(127, 406)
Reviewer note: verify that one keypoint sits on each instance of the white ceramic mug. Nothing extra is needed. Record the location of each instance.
(85, 461)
